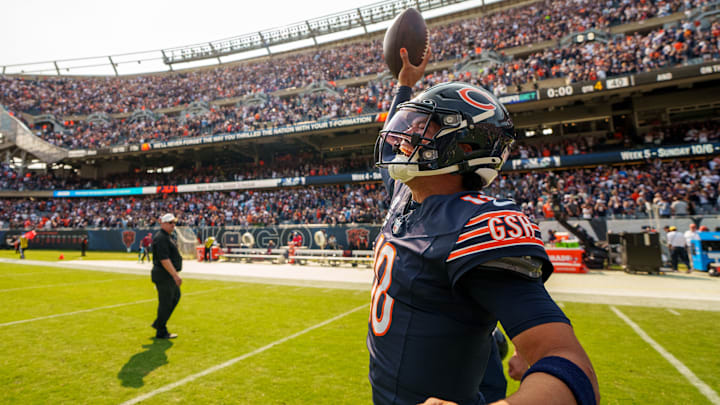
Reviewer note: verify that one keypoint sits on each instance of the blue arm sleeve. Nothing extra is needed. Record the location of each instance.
(517, 302)
(404, 94)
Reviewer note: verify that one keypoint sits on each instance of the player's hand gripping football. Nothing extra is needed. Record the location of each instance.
(411, 74)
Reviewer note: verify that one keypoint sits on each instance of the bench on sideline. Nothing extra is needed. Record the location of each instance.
(251, 254)
(331, 257)
(334, 257)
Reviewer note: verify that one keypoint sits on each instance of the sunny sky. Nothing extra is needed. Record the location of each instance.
(46, 30)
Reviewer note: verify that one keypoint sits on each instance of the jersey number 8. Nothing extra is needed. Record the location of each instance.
(384, 258)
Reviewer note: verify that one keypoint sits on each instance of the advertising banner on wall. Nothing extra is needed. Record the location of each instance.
(351, 236)
(52, 239)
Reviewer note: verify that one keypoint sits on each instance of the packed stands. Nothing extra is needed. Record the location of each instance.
(580, 62)
(310, 164)
(603, 191)
(513, 27)
(315, 85)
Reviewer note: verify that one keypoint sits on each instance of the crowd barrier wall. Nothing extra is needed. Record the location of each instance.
(129, 239)
(346, 235)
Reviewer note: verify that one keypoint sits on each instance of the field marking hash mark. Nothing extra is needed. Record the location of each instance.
(705, 389)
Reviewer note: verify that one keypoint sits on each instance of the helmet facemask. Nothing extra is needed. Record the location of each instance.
(415, 138)
(424, 140)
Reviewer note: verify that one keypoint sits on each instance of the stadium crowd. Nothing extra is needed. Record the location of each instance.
(304, 164)
(634, 53)
(63, 96)
(226, 119)
(673, 188)
(307, 205)
(282, 166)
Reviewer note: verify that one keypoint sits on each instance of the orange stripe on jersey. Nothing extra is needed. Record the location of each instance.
(495, 244)
(487, 215)
(477, 232)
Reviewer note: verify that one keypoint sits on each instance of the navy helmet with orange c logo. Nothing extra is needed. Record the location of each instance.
(450, 128)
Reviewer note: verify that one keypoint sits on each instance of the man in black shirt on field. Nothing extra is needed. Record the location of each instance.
(167, 263)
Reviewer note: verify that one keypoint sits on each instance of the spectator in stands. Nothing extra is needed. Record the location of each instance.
(679, 206)
(663, 206)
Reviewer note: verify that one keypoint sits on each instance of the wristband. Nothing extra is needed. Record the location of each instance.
(570, 374)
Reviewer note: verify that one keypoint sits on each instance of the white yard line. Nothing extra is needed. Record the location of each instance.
(229, 363)
(62, 284)
(674, 312)
(711, 395)
(100, 308)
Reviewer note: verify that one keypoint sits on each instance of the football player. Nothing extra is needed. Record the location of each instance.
(450, 261)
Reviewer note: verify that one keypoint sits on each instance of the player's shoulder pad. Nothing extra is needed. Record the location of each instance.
(526, 266)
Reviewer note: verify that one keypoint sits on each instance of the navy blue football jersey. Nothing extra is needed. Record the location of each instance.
(425, 337)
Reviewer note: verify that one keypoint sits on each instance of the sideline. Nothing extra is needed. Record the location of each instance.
(678, 291)
(708, 392)
(82, 311)
(229, 363)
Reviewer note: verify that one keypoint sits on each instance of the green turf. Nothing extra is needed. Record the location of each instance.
(90, 342)
(54, 255)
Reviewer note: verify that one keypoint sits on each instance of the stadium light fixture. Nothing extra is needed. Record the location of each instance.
(547, 131)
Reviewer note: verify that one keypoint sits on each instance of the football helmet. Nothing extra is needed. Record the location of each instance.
(449, 128)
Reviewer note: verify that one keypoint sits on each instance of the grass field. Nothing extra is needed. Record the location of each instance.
(73, 336)
(54, 255)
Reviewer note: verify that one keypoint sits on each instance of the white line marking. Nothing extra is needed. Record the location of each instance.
(561, 304)
(674, 312)
(99, 308)
(229, 363)
(686, 372)
(62, 285)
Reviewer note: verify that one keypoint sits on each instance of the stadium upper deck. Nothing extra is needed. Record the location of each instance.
(538, 22)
